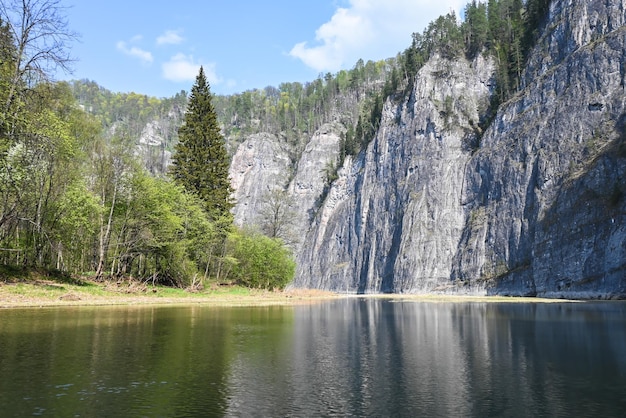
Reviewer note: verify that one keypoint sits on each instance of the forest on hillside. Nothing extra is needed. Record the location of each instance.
(503, 29)
(74, 197)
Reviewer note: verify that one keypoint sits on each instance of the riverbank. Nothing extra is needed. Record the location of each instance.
(43, 292)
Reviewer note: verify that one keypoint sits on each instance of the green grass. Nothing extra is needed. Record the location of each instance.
(18, 283)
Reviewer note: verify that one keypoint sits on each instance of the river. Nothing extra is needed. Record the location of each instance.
(353, 356)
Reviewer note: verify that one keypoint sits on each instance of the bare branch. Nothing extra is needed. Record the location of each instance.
(40, 31)
(42, 40)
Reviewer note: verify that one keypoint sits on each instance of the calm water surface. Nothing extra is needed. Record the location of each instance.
(361, 357)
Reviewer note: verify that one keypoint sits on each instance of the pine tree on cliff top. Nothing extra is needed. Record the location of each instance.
(200, 161)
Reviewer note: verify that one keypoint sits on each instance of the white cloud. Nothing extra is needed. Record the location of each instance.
(346, 31)
(370, 29)
(170, 37)
(133, 51)
(183, 68)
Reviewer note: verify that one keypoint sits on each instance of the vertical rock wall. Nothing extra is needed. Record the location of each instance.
(535, 205)
(393, 219)
(543, 196)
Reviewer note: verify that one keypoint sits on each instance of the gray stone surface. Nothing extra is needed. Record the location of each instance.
(393, 219)
(260, 165)
(534, 206)
(548, 179)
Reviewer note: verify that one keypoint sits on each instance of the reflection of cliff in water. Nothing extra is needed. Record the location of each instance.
(461, 359)
(356, 356)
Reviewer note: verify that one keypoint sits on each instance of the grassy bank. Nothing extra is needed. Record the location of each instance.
(35, 288)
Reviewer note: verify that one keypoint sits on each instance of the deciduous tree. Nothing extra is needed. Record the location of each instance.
(41, 39)
(262, 262)
(277, 215)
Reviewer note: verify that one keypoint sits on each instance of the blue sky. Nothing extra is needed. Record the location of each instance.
(156, 47)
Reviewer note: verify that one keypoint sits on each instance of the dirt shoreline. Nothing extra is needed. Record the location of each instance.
(52, 294)
(35, 295)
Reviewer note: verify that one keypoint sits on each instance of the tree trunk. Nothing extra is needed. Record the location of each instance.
(105, 236)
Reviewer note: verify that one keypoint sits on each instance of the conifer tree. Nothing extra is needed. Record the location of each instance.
(200, 162)
(476, 28)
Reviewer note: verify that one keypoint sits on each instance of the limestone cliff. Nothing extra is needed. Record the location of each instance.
(532, 206)
(260, 164)
(263, 164)
(393, 220)
(544, 193)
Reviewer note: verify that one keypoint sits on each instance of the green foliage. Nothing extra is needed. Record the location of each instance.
(296, 110)
(42, 160)
(413, 59)
(78, 211)
(535, 17)
(200, 163)
(8, 59)
(350, 145)
(505, 29)
(513, 30)
(261, 262)
(475, 28)
(330, 172)
(127, 115)
(151, 228)
(369, 120)
(159, 233)
(443, 36)
(74, 200)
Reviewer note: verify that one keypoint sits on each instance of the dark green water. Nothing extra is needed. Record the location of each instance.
(348, 357)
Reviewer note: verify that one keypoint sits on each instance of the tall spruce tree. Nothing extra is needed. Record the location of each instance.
(200, 161)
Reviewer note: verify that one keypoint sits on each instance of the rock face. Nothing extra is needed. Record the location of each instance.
(156, 140)
(544, 193)
(263, 164)
(310, 181)
(393, 219)
(259, 165)
(535, 205)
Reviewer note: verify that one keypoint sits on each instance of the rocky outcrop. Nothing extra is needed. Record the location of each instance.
(263, 164)
(310, 183)
(543, 196)
(155, 143)
(535, 205)
(393, 219)
(260, 164)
